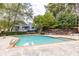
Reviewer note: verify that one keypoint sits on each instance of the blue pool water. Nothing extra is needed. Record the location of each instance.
(35, 40)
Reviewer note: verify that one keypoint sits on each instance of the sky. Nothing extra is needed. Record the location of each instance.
(38, 8)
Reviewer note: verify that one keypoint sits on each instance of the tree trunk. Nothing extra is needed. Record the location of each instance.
(15, 17)
(40, 30)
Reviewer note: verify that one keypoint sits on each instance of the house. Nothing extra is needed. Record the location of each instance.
(23, 28)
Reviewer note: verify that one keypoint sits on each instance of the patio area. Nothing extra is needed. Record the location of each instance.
(67, 48)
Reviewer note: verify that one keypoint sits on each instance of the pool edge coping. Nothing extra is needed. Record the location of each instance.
(49, 43)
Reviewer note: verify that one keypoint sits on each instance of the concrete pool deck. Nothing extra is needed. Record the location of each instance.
(5, 41)
(68, 48)
(75, 37)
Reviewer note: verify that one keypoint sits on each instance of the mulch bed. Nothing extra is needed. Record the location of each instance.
(62, 31)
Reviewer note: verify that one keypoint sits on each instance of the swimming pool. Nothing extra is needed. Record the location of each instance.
(36, 40)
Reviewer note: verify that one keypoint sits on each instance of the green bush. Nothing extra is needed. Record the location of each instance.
(66, 19)
(44, 22)
(13, 33)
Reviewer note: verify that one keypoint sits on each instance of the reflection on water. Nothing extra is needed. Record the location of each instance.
(29, 44)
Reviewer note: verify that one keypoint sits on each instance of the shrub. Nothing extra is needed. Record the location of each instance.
(66, 19)
(13, 33)
(44, 22)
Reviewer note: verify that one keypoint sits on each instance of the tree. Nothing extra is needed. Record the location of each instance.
(59, 8)
(55, 8)
(44, 22)
(71, 7)
(15, 11)
(4, 24)
(66, 19)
